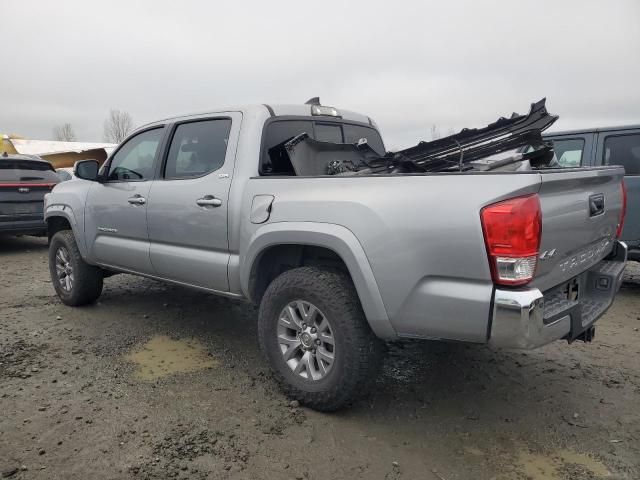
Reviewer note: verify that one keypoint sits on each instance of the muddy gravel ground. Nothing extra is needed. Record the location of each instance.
(158, 382)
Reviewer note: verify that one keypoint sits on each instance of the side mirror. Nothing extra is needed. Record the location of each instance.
(86, 169)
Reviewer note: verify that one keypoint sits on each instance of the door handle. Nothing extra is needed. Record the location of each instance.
(137, 200)
(209, 201)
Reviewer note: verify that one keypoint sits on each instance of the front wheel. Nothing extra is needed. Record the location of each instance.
(75, 281)
(314, 333)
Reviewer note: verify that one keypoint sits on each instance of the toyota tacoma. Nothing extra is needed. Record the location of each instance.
(477, 237)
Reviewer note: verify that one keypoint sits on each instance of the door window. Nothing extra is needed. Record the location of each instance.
(197, 148)
(569, 151)
(623, 150)
(134, 161)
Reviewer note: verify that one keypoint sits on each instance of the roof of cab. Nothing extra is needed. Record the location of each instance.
(268, 110)
(580, 131)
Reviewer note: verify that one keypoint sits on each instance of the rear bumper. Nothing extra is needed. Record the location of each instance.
(19, 227)
(528, 318)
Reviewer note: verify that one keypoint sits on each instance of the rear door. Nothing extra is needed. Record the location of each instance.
(188, 203)
(622, 147)
(116, 209)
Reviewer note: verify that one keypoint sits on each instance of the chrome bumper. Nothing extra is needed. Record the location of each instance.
(528, 318)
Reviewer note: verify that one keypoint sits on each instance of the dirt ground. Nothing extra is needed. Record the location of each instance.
(158, 382)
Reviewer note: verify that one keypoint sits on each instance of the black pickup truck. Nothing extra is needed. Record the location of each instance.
(607, 146)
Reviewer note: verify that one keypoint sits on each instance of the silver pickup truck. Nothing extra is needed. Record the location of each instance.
(298, 208)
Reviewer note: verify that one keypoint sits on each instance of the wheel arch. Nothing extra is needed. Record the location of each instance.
(60, 218)
(276, 247)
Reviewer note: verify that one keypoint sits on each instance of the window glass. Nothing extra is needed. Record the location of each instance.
(198, 148)
(135, 159)
(623, 150)
(569, 152)
(275, 160)
(18, 170)
(328, 133)
(353, 133)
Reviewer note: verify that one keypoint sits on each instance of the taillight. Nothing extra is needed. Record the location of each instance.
(623, 211)
(512, 230)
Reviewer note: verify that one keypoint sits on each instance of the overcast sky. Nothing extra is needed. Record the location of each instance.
(407, 64)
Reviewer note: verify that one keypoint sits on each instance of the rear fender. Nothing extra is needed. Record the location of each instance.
(333, 237)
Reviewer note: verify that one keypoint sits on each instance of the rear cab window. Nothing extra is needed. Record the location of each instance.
(274, 159)
(623, 150)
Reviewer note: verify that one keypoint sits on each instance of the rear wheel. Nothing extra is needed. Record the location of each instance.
(314, 333)
(75, 281)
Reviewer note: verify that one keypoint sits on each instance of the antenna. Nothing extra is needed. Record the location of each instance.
(313, 101)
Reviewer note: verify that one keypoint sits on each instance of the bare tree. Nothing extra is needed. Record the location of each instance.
(64, 133)
(117, 126)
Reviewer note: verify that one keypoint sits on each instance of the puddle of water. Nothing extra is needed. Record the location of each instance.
(162, 356)
(541, 467)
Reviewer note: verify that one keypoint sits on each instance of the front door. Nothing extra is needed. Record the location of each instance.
(188, 203)
(116, 216)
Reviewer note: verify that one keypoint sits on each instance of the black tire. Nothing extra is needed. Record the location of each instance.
(87, 279)
(358, 352)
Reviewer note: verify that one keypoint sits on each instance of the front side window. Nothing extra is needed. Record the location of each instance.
(135, 160)
(623, 150)
(198, 148)
(569, 152)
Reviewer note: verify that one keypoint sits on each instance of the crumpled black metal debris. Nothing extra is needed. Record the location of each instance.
(519, 134)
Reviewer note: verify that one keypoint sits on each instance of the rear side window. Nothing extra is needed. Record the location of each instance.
(569, 151)
(198, 148)
(623, 150)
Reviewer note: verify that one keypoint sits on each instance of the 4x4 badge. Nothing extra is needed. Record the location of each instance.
(23, 190)
(547, 254)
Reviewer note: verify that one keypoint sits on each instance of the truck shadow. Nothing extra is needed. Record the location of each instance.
(16, 244)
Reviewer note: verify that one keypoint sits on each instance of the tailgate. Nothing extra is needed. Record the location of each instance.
(20, 199)
(580, 213)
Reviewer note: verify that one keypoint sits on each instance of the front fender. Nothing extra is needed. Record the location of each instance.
(64, 211)
(334, 237)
